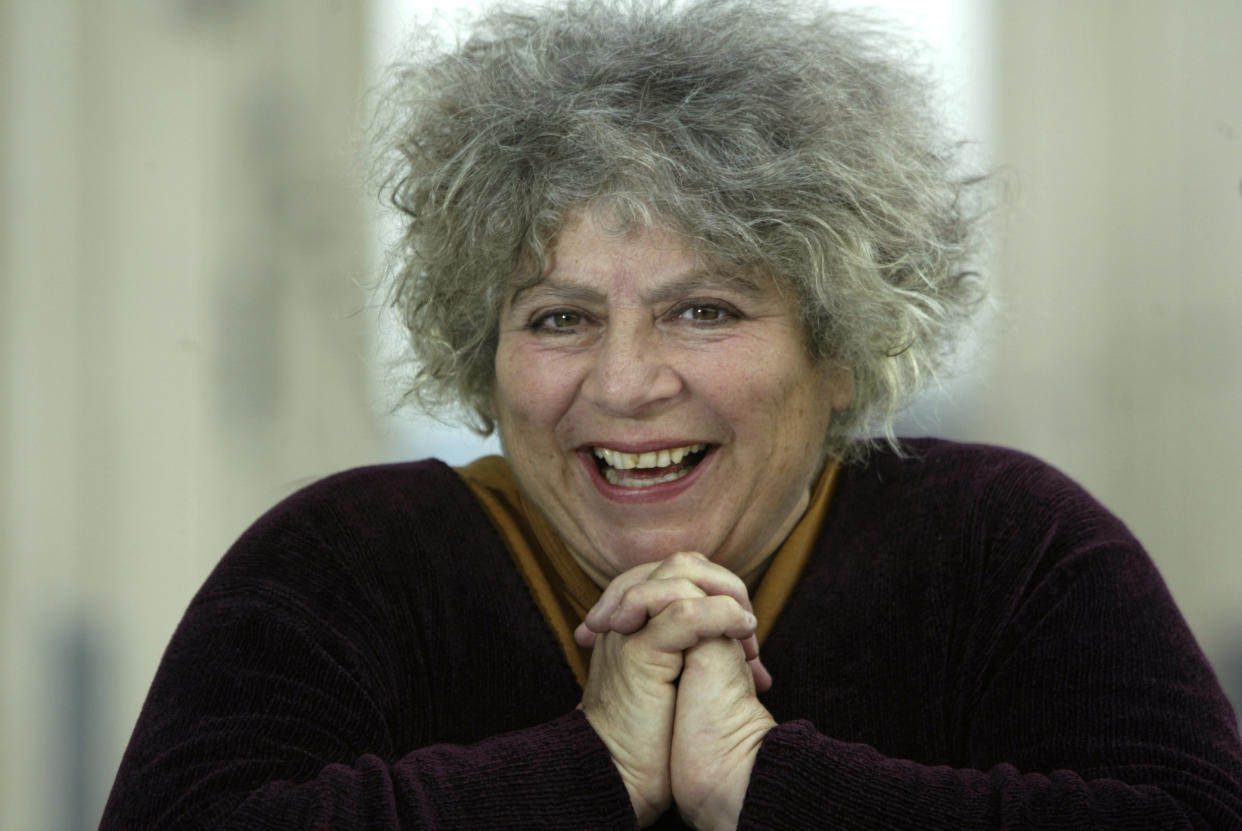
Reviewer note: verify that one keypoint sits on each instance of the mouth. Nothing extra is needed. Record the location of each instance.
(650, 468)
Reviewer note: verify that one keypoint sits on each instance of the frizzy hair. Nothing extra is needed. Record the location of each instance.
(773, 135)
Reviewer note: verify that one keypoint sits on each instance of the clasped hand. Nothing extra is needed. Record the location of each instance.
(671, 691)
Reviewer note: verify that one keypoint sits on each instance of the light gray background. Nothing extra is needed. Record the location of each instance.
(189, 334)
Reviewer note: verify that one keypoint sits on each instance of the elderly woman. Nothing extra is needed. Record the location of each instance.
(680, 258)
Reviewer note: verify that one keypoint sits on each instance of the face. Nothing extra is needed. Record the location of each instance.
(649, 405)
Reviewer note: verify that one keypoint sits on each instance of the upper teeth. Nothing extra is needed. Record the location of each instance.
(654, 458)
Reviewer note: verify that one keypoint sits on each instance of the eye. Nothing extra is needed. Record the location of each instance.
(559, 321)
(708, 313)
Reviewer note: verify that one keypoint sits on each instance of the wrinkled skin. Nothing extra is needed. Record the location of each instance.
(671, 691)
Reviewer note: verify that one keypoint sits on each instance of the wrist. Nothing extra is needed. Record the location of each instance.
(711, 797)
(647, 781)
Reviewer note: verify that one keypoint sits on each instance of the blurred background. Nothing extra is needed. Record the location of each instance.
(189, 255)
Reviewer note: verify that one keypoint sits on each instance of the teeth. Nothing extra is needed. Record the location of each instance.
(653, 459)
(614, 477)
(617, 459)
(616, 463)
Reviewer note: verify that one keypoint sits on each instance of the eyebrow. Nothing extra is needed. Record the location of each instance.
(695, 282)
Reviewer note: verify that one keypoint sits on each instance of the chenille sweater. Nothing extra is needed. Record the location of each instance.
(975, 644)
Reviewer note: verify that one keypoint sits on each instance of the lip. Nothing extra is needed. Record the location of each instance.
(641, 446)
(655, 493)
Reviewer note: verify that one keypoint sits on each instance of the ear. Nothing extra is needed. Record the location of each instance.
(840, 386)
(490, 409)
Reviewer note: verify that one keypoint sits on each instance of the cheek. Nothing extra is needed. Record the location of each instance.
(800, 408)
(529, 396)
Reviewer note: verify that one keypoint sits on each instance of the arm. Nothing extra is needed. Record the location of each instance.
(260, 718)
(1094, 709)
(1033, 657)
(366, 657)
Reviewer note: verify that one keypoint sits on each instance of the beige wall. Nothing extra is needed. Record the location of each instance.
(185, 340)
(1118, 351)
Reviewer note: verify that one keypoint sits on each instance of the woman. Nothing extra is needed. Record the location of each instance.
(680, 259)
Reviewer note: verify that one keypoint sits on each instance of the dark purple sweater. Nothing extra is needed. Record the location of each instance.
(975, 644)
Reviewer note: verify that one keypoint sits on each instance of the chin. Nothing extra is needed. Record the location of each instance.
(652, 548)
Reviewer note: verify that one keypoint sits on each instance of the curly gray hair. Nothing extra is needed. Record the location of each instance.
(769, 134)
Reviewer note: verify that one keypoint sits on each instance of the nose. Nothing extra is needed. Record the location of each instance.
(631, 374)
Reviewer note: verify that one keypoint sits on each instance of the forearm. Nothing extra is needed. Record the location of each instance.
(552, 775)
(261, 716)
(803, 779)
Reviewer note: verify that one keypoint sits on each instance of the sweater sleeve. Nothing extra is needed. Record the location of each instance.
(307, 688)
(1087, 705)
(254, 723)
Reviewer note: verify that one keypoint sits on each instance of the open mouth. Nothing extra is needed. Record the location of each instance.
(644, 470)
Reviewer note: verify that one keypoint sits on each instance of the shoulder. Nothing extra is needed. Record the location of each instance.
(932, 462)
(393, 499)
(362, 494)
(379, 525)
(978, 483)
(1003, 539)
(999, 519)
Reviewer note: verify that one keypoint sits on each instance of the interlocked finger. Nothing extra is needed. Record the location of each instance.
(708, 576)
(684, 623)
(647, 599)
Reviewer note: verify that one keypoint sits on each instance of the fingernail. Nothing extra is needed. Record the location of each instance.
(751, 620)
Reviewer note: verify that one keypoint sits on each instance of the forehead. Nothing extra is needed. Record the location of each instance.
(587, 260)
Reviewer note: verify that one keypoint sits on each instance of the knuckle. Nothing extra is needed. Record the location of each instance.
(628, 595)
(685, 559)
(727, 606)
(685, 612)
(640, 595)
(686, 588)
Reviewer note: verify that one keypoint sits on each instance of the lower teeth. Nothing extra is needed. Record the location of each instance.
(614, 477)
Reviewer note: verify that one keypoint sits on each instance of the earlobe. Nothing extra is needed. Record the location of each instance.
(840, 386)
(489, 408)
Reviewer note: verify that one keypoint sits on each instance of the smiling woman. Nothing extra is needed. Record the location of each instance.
(801, 151)
(631, 350)
(681, 257)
